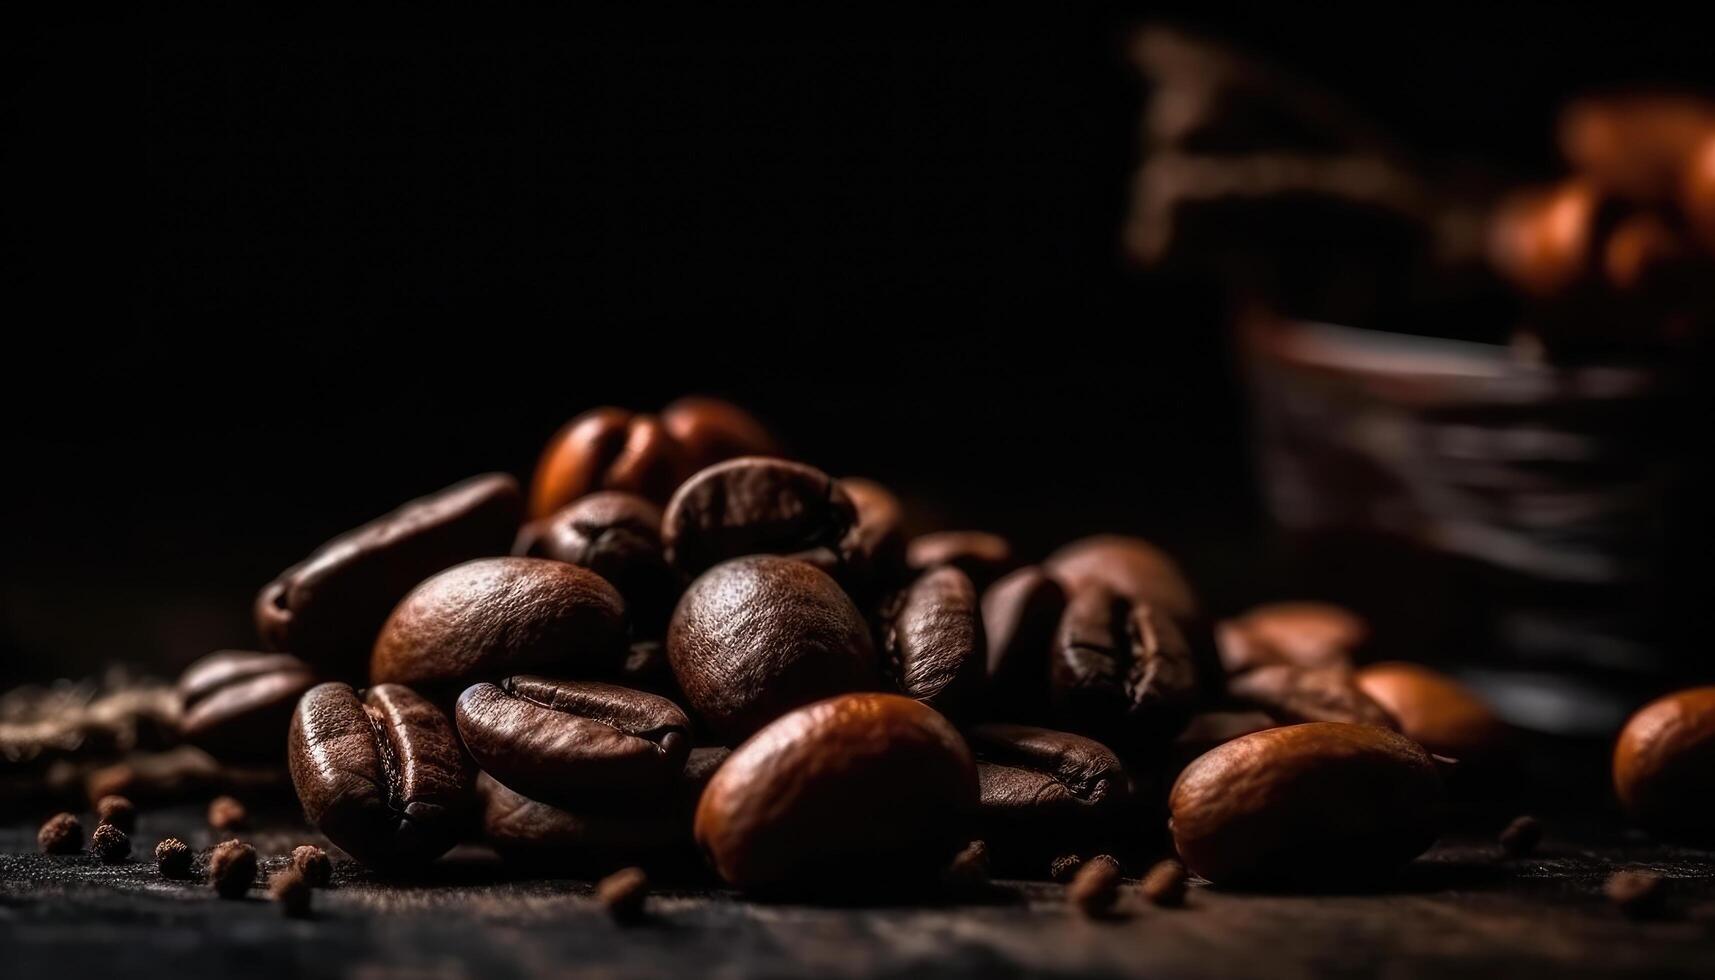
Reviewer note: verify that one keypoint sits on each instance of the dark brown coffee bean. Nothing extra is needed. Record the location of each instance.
(1045, 792)
(173, 858)
(1637, 894)
(607, 449)
(858, 792)
(118, 811)
(493, 617)
(757, 505)
(873, 552)
(237, 703)
(293, 893)
(1521, 837)
(226, 813)
(1164, 885)
(623, 894)
(933, 648)
(1292, 695)
(1322, 804)
(1096, 886)
(1128, 567)
(312, 862)
(617, 536)
(232, 868)
(710, 431)
(1434, 710)
(110, 844)
(1119, 671)
(1021, 614)
(383, 776)
(327, 609)
(60, 834)
(1664, 764)
(983, 556)
(756, 637)
(575, 743)
(1299, 634)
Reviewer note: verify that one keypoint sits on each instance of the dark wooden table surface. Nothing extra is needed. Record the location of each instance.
(1461, 911)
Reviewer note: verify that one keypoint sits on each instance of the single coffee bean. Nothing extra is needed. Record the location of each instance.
(383, 776)
(1164, 885)
(1129, 567)
(232, 868)
(1664, 764)
(1064, 868)
(858, 792)
(575, 743)
(1021, 614)
(1322, 803)
(617, 536)
(983, 556)
(327, 609)
(607, 449)
(493, 617)
(1299, 634)
(60, 834)
(1542, 240)
(710, 431)
(292, 891)
(933, 646)
(1521, 837)
(623, 894)
(312, 862)
(758, 505)
(226, 813)
(1096, 886)
(1637, 894)
(756, 637)
(1434, 710)
(118, 811)
(1044, 792)
(110, 844)
(1120, 671)
(1291, 695)
(237, 703)
(874, 549)
(173, 858)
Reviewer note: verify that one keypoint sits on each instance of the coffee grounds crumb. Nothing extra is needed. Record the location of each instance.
(118, 811)
(232, 868)
(1638, 894)
(1164, 885)
(970, 868)
(61, 834)
(226, 813)
(1095, 887)
(292, 891)
(622, 893)
(173, 858)
(1062, 868)
(313, 863)
(110, 844)
(1521, 837)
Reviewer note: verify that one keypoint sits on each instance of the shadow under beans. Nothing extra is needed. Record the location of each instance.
(1417, 878)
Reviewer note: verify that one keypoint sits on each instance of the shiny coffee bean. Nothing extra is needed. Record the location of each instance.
(237, 703)
(1313, 805)
(1128, 567)
(1292, 695)
(1045, 792)
(327, 609)
(983, 556)
(874, 549)
(755, 637)
(606, 449)
(382, 774)
(1021, 614)
(1664, 764)
(1302, 634)
(757, 505)
(1119, 671)
(1434, 710)
(617, 536)
(574, 743)
(710, 431)
(933, 647)
(490, 618)
(858, 792)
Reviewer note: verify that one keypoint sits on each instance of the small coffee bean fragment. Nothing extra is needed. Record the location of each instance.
(173, 858)
(292, 890)
(62, 834)
(1164, 885)
(312, 862)
(1063, 868)
(232, 868)
(118, 811)
(1095, 887)
(110, 844)
(1637, 894)
(226, 813)
(970, 867)
(622, 894)
(1521, 837)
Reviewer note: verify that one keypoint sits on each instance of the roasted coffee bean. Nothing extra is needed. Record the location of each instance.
(226, 813)
(758, 505)
(1129, 567)
(1314, 805)
(1543, 240)
(1118, 671)
(1664, 764)
(873, 552)
(1635, 146)
(1521, 837)
(1164, 885)
(327, 609)
(981, 555)
(1434, 710)
(383, 776)
(312, 862)
(623, 894)
(617, 536)
(756, 637)
(1044, 792)
(292, 891)
(110, 844)
(1291, 695)
(232, 868)
(1300, 634)
(173, 858)
(118, 811)
(933, 646)
(1021, 614)
(60, 834)
(1637, 894)
(575, 743)
(1096, 886)
(493, 617)
(237, 703)
(858, 792)
(710, 431)
(969, 868)
(607, 449)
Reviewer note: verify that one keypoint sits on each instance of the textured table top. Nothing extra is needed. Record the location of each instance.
(1461, 910)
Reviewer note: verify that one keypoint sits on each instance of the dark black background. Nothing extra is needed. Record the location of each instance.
(261, 286)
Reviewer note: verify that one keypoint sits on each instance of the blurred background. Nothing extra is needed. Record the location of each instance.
(262, 290)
